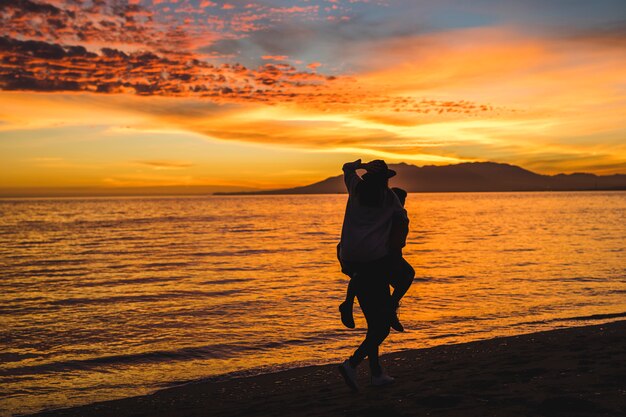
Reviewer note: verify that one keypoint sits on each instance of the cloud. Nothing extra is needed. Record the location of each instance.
(114, 22)
(167, 28)
(118, 47)
(42, 66)
(161, 164)
(275, 57)
(284, 75)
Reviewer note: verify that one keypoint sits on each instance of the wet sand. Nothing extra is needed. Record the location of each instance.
(567, 372)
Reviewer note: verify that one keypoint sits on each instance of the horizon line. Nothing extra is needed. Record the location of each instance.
(77, 191)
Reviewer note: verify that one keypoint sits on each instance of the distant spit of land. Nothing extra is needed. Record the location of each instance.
(466, 177)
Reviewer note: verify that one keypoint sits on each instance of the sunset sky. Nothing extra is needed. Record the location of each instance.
(278, 93)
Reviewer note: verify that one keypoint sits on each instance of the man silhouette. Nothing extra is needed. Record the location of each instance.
(364, 251)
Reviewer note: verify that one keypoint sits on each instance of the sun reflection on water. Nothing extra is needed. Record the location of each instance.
(104, 298)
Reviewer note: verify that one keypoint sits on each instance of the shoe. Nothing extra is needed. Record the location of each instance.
(394, 321)
(349, 375)
(346, 315)
(382, 379)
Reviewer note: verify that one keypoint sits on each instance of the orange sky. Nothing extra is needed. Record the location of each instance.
(260, 95)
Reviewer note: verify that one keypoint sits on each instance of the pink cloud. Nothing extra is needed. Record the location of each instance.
(42, 66)
(295, 9)
(275, 57)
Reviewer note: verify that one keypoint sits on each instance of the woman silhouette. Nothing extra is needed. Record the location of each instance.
(364, 249)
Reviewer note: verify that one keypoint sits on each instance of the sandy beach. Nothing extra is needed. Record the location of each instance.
(567, 372)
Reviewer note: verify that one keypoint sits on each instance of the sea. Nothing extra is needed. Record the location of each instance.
(103, 298)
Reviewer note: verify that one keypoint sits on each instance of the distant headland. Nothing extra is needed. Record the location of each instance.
(466, 177)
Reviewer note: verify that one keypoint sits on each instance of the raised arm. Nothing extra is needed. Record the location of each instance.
(350, 176)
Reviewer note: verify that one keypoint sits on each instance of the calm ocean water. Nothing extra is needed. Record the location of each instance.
(111, 297)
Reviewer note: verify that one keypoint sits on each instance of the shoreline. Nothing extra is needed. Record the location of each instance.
(577, 371)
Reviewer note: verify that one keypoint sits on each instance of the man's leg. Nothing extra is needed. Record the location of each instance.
(374, 299)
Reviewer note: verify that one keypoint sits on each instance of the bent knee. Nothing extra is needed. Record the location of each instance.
(410, 274)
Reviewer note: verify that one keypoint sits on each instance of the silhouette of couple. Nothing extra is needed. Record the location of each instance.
(374, 231)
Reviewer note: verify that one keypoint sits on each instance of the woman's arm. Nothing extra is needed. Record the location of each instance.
(350, 176)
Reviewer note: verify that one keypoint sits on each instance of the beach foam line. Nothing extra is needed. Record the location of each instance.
(577, 318)
(189, 353)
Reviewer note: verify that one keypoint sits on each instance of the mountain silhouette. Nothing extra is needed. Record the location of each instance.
(466, 177)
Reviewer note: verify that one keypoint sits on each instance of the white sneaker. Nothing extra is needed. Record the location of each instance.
(382, 379)
(349, 375)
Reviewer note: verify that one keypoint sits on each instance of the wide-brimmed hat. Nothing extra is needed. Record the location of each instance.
(381, 171)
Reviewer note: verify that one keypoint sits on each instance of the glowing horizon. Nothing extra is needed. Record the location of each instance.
(277, 94)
